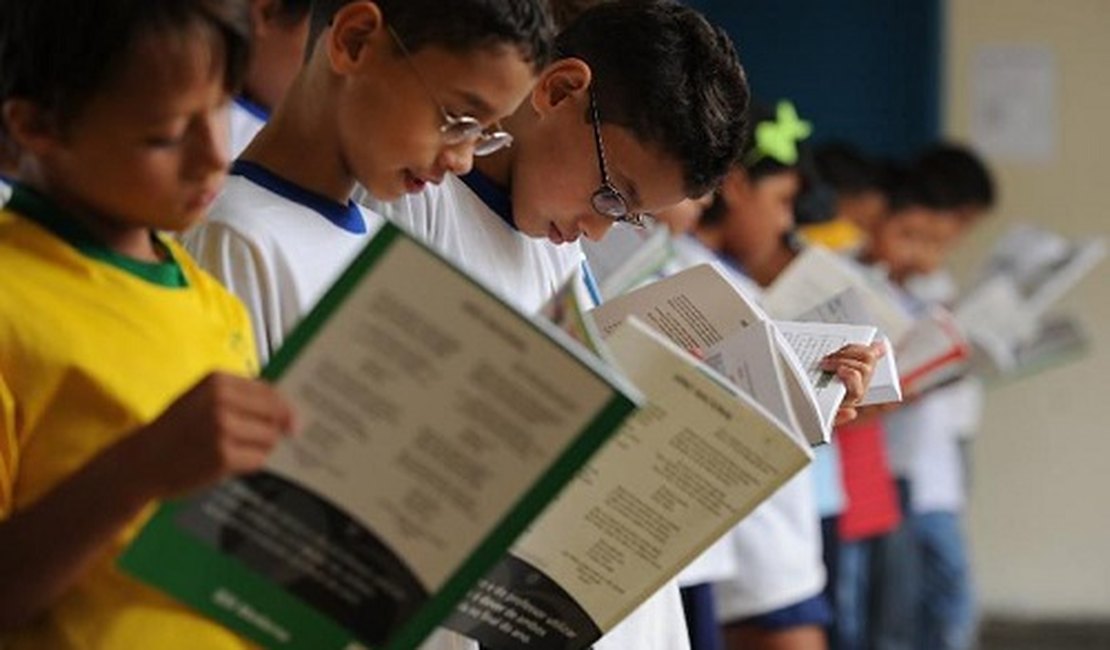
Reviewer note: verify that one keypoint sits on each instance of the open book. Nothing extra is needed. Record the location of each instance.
(1060, 339)
(627, 258)
(847, 308)
(683, 471)
(1028, 271)
(777, 363)
(437, 422)
(928, 349)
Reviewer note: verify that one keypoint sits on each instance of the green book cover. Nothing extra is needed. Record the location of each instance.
(437, 424)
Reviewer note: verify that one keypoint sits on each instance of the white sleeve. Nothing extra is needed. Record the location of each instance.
(657, 624)
(239, 265)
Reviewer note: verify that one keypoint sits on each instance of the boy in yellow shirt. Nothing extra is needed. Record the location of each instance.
(122, 365)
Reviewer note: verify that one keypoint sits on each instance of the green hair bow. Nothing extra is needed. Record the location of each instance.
(779, 140)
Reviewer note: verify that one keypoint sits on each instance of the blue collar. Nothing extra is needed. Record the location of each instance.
(348, 217)
(257, 110)
(733, 264)
(495, 197)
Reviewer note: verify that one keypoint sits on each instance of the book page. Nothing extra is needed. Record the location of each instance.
(750, 360)
(627, 257)
(886, 386)
(1042, 264)
(436, 421)
(807, 344)
(1061, 339)
(679, 475)
(1054, 282)
(933, 352)
(568, 309)
(817, 275)
(696, 308)
(847, 307)
(995, 318)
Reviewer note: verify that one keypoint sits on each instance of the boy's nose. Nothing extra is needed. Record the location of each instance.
(211, 144)
(594, 226)
(457, 159)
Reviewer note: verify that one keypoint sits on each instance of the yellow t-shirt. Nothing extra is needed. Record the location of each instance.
(88, 352)
(837, 235)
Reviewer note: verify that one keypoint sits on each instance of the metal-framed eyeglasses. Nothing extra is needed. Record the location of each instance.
(607, 200)
(457, 129)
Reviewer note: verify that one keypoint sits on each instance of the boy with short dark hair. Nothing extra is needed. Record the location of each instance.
(943, 426)
(642, 109)
(395, 94)
(911, 242)
(122, 365)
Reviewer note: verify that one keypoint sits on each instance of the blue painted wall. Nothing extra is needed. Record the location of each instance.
(867, 71)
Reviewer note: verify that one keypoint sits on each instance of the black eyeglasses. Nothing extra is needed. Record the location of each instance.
(457, 129)
(607, 200)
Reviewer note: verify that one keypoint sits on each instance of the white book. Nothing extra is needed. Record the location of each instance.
(701, 310)
(682, 471)
(628, 257)
(1028, 271)
(847, 307)
(1044, 265)
(927, 351)
(818, 274)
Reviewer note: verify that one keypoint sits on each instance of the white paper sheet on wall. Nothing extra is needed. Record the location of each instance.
(1013, 102)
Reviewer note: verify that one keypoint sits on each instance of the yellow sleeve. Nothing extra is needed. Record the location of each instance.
(9, 449)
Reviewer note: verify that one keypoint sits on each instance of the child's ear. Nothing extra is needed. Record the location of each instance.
(262, 13)
(30, 128)
(735, 185)
(356, 29)
(562, 80)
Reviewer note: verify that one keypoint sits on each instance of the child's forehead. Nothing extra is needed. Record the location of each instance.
(156, 74)
(487, 82)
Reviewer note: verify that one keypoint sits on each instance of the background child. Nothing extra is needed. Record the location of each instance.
(396, 94)
(776, 600)
(911, 241)
(938, 473)
(114, 348)
(859, 188)
(279, 32)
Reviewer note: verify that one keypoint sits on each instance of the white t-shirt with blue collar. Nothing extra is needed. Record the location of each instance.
(277, 246)
(246, 120)
(468, 220)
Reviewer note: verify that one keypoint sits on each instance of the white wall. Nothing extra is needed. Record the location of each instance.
(1040, 514)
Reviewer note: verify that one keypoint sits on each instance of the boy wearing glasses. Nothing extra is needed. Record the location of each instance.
(395, 94)
(639, 112)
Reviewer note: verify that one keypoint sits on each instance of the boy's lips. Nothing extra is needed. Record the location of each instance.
(415, 183)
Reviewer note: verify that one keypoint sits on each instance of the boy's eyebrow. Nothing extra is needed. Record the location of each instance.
(475, 105)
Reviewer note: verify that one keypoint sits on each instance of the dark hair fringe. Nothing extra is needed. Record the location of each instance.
(664, 73)
(60, 53)
(459, 25)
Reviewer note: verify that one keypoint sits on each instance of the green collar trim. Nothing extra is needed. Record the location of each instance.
(40, 209)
